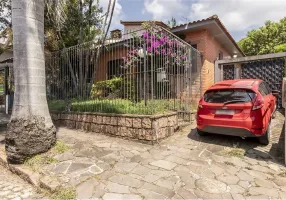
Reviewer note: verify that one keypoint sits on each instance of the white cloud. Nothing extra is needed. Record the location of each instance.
(164, 9)
(117, 15)
(239, 15)
(236, 15)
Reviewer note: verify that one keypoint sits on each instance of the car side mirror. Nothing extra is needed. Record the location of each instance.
(275, 92)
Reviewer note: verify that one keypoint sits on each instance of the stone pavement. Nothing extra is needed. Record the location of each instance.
(184, 166)
(13, 187)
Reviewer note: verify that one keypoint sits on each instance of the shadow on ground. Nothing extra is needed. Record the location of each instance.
(251, 146)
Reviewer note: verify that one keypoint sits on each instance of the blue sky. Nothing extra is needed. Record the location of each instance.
(239, 16)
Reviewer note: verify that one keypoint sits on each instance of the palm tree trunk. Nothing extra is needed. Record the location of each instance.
(31, 130)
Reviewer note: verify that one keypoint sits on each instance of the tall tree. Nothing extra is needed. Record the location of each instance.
(172, 23)
(269, 38)
(5, 25)
(31, 130)
(7, 38)
(68, 23)
(92, 26)
(5, 14)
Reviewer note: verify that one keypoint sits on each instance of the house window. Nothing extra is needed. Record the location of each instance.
(114, 68)
(195, 46)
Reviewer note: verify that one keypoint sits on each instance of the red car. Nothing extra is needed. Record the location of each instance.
(241, 107)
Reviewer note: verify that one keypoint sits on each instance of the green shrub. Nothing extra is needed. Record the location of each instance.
(58, 105)
(118, 87)
(121, 106)
(101, 88)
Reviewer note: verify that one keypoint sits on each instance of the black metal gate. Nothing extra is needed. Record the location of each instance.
(228, 72)
(271, 71)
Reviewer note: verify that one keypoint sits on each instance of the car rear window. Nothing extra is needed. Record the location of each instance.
(229, 95)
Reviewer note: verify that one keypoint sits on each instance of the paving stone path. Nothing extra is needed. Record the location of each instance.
(184, 166)
(13, 187)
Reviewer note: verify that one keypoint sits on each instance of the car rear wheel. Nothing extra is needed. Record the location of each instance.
(201, 133)
(265, 139)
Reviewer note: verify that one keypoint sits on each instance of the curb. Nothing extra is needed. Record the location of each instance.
(34, 178)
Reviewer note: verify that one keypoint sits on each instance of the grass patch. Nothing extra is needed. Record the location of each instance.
(64, 194)
(60, 148)
(37, 161)
(229, 163)
(236, 153)
(119, 106)
(282, 174)
(1, 89)
(246, 192)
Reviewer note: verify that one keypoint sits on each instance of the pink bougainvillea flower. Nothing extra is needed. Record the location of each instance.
(149, 49)
(145, 35)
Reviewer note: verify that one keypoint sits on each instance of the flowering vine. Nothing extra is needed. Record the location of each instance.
(156, 42)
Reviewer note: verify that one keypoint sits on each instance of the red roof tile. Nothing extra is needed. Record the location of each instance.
(214, 17)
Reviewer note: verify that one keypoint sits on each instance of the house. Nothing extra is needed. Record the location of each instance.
(209, 36)
(213, 40)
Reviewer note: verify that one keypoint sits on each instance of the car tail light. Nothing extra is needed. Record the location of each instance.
(258, 103)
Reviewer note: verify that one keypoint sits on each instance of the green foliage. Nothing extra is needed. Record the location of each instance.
(1, 89)
(172, 23)
(118, 106)
(112, 85)
(37, 161)
(269, 38)
(7, 34)
(5, 14)
(60, 148)
(64, 30)
(117, 87)
(236, 153)
(280, 48)
(64, 194)
(57, 105)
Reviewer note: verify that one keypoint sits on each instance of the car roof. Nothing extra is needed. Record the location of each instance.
(238, 83)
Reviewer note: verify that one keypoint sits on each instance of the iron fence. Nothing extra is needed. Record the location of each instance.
(143, 71)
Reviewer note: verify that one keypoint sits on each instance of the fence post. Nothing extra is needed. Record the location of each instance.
(145, 64)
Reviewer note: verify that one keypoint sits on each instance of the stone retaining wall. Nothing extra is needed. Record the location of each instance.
(142, 127)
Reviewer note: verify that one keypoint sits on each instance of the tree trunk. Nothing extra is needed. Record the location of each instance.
(31, 130)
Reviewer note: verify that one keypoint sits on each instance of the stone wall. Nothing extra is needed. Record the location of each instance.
(142, 127)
